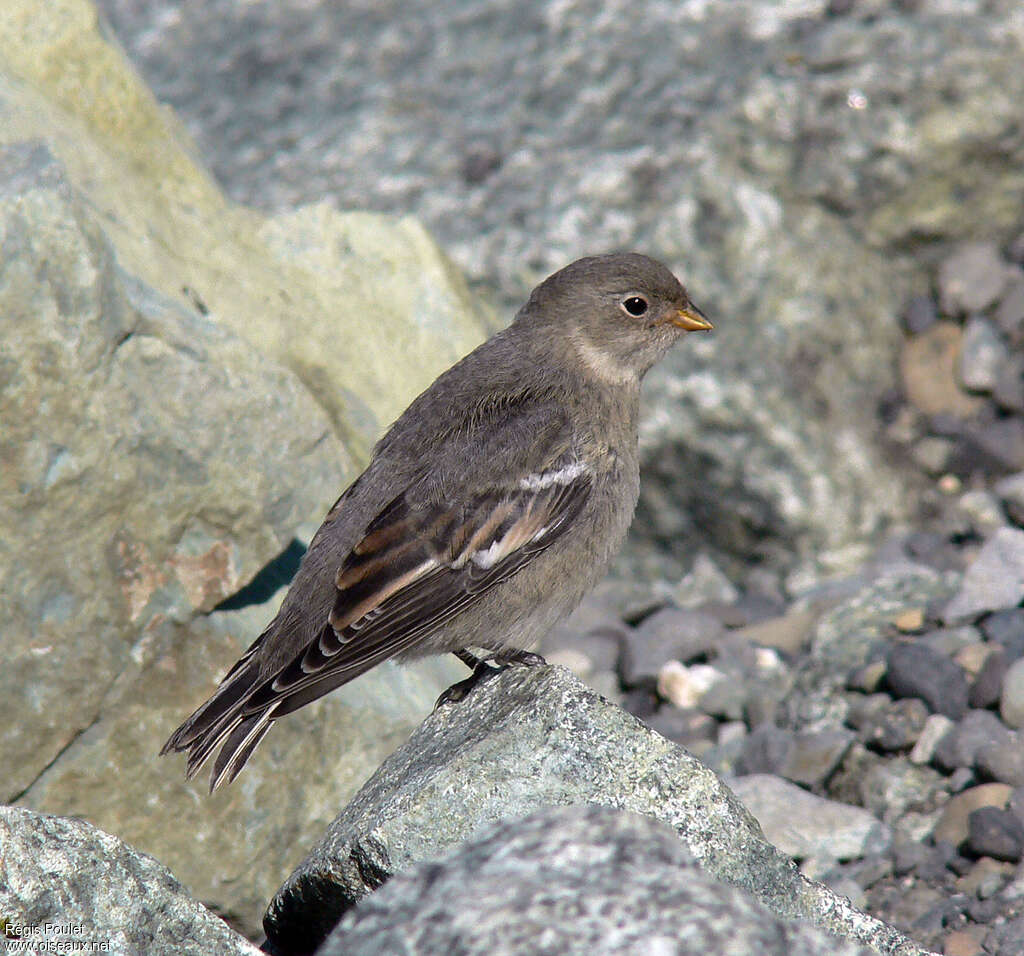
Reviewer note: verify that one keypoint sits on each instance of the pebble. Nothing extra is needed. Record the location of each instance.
(995, 832)
(972, 278)
(936, 727)
(986, 877)
(1011, 492)
(670, 634)
(1010, 313)
(928, 371)
(1009, 388)
(1003, 759)
(952, 826)
(949, 641)
(919, 314)
(705, 583)
(995, 446)
(895, 727)
(915, 670)
(1006, 939)
(972, 657)
(993, 581)
(982, 354)
(1011, 703)
(868, 677)
(961, 943)
(987, 686)
(932, 454)
(599, 647)
(978, 729)
(1006, 628)
(684, 686)
(983, 511)
(789, 633)
(803, 825)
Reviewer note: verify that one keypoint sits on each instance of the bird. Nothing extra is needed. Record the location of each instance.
(487, 510)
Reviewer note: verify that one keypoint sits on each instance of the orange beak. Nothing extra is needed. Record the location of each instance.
(691, 319)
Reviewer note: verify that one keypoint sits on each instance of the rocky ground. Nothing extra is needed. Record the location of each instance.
(898, 690)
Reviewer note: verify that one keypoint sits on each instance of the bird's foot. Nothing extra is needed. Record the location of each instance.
(484, 670)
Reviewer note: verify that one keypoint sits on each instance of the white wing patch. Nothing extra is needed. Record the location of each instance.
(545, 479)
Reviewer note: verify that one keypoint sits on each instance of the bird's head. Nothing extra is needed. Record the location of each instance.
(619, 312)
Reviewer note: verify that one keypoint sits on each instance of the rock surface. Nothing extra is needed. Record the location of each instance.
(526, 739)
(790, 158)
(96, 891)
(572, 880)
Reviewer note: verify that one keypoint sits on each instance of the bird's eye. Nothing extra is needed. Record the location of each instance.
(635, 305)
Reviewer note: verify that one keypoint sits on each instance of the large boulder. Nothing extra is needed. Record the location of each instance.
(185, 387)
(572, 880)
(525, 740)
(68, 887)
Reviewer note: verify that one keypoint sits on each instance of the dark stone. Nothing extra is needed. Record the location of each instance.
(1007, 939)
(765, 750)
(671, 634)
(996, 833)
(919, 313)
(910, 855)
(988, 684)
(977, 730)
(1010, 313)
(1009, 387)
(915, 670)
(1006, 628)
(995, 446)
(1003, 760)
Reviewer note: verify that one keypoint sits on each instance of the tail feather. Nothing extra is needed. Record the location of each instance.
(239, 746)
(220, 722)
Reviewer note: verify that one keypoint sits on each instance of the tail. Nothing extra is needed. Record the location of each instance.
(221, 722)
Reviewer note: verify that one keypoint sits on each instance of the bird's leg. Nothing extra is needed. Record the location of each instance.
(484, 669)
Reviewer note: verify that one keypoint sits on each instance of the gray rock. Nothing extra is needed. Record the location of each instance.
(988, 683)
(1011, 702)
(67, 873)
(915, 670)
(1006, 628)
(919, 314)
(990, 445)
(806, 759)
(804, 825)
(572, 880)
(1006, 939)
(1011, 492)
(994, 580)
(1010, 314)
(1003, 759)
(1009, 388)
(982, 356)
(996, 833)
(972, 278)
(896, 726)
(936, 729)
(526, 739)
(977, 730)
(671, 634)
